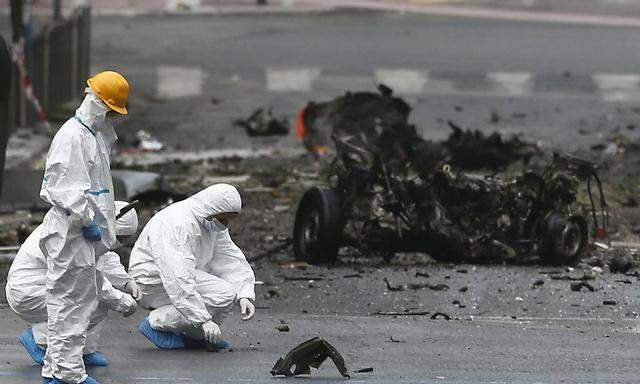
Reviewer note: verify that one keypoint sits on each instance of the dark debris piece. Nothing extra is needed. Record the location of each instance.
(620, 263)
(414, 286)
(311, 353)
(262, 123)
(577, 286)
(537, 284)
(442, 315)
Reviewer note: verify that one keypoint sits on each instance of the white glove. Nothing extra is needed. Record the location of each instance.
(211, 332)
(127, 305)
(247, 309)
(132, 288)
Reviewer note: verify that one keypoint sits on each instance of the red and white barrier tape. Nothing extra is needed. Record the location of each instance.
(18, 59)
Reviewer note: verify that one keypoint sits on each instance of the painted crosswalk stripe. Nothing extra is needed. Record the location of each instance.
(175, 82)
(618, 86)
(291, 79)
(511, 83)
(402, 81)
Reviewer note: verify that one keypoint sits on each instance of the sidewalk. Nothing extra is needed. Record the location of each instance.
(600, 12)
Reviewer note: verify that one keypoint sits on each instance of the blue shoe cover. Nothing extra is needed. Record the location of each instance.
(95, 359)
(222, 344)
(88, 380)
(162, 339)
(29, 343)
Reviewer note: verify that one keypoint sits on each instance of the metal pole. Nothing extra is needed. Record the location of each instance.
(57, 9)
(5, 80)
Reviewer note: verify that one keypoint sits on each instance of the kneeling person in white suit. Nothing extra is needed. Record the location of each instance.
(190, 272)
(26, 295)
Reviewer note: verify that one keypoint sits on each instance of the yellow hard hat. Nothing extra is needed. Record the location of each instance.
(112, 88)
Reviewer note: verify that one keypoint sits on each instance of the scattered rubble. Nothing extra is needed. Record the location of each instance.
(414, 286)
(262, 122)
(311, 353)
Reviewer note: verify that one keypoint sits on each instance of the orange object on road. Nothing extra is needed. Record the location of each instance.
(300, 128)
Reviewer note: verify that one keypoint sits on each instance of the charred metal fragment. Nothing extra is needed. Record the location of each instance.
(311, 353)
(262, 122)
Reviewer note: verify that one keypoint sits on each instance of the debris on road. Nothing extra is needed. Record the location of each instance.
(537, 284)
(621, 263)
(147, 143)
(415, 286)
(283, 328)
(577, 286)
(262, 122)
(442, 315)
(402, 313)
(311, 353)
(364, 370)
(609, 302)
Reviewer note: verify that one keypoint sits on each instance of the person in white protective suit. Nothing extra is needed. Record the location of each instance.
(80, 225)
(25, 291)
(190, 272)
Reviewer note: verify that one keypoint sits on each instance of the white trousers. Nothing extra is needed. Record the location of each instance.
(32, 307)
(217, 294)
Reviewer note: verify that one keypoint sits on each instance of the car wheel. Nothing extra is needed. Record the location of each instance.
(317, 232)
(564, 239)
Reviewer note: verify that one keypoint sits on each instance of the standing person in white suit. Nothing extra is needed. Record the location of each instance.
(190, 272)
(26, 296)
(80, 225)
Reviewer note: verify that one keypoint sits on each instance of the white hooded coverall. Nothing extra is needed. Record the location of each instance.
(27, 277)
(77, 183)
(189, 270)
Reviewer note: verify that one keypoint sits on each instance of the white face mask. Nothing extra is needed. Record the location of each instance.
(114, 119)
(214, 226)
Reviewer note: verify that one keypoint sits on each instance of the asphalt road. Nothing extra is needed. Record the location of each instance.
(192, 75)
(402, 350)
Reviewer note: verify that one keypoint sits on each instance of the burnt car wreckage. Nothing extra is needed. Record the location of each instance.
(391, 191)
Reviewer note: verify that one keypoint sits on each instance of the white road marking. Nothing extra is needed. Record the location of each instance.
(512, 83)
(618, 86)
(402, 81)
(291, 79)
(175, 82)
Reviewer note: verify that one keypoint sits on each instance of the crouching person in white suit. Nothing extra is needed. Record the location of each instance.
(26, 295)
(190, 272)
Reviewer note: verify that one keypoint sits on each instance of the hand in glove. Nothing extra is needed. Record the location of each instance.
(132, 288)
(211, 332)
(127, 305)
(92, 232)
(247, 309)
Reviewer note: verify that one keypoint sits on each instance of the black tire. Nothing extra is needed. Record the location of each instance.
(317, 232)
(564, 239)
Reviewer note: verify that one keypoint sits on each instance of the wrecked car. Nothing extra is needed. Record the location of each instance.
(391, 191)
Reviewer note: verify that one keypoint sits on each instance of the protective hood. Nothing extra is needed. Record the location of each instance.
(127, 225)
(218, 198)
(93, 113)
